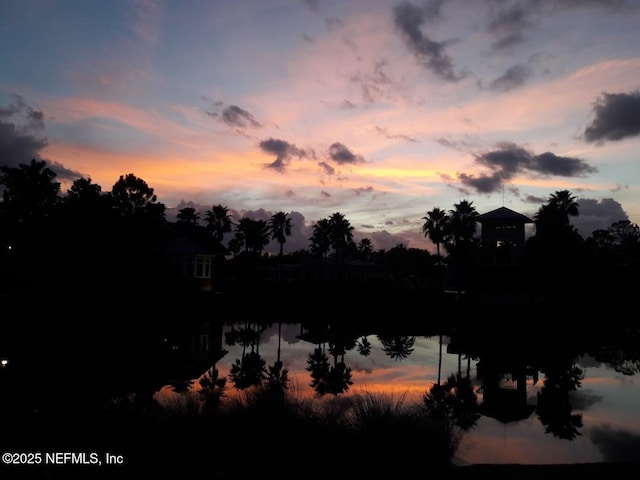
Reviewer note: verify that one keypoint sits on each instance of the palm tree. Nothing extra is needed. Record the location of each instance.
(218, 221)
(254, 233)
(320, 240)
(365, 248)
(188, 215)
(280, 228)
(460, 241)
(462, 225)
(340, 234)
(565, 203)
(435, 227)
(552, 218)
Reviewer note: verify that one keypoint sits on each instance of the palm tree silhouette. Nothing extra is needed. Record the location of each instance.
(188, 215)
(280, 228)
(340, 235)
(397, 347)
(218, 221)
(320, 239)
(435, 227)
(254, 234)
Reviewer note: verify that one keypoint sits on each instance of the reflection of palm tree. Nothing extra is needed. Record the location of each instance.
(277, 376)
(364, 347)
(464, 402)
(439, 357)
(554, 408)
(454, 403)
(318, 365)
(328, 378)
(212, 388)
(250, 369)
(339, 378)
(397, 347)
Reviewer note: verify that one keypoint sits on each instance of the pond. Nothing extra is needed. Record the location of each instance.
(532, 397)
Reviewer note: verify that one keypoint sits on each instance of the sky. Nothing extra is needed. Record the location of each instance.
(379, 110)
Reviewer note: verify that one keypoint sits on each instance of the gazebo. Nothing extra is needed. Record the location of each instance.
(503, 236)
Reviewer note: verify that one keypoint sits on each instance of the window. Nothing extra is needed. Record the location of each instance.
(203, 267)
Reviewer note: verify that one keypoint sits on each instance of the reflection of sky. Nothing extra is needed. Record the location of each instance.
(608, 401)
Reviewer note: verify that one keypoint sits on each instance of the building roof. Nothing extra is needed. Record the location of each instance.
(503, 214)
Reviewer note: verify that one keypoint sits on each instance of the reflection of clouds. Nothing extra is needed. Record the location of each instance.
(587, 361)
(616, 445)
(584, 399)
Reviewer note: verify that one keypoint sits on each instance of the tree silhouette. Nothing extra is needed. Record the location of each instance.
(277, 375)
(28, 228)
(321, 238)
(212, 389)
(280, 228)
(364, 347)
(188, 216)
(556, 250)
(250, 369)
(365, 248)
(340, 235)
(218, 222)
(135, 199)
(460, 231)
(453, 403)
(30, 193)
(318, 365)
(253, 233)
(435, 227)
(397, 347)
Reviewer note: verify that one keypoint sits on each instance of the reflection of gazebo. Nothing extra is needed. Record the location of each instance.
(503, 403)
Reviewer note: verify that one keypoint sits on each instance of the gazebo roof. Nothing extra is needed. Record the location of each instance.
(502, 215)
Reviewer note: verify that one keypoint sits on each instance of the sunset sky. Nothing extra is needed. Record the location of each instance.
(380, 110)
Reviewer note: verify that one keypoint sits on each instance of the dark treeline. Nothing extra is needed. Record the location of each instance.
(90, 289)
(103, 244)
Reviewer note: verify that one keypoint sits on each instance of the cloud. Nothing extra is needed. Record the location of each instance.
(234, 116)
(508, 41)
(237, 117)
(21, 139)
(617, 116)
(616, 445)
(507, 21)
(409, 19)
(326, 168)
(395, 136)
(342, 155)
(514, 77)
(510, 159)
(283, 151)
(512, 18)
(597, 214)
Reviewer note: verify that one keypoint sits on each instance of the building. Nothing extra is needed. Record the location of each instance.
(503, 236)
